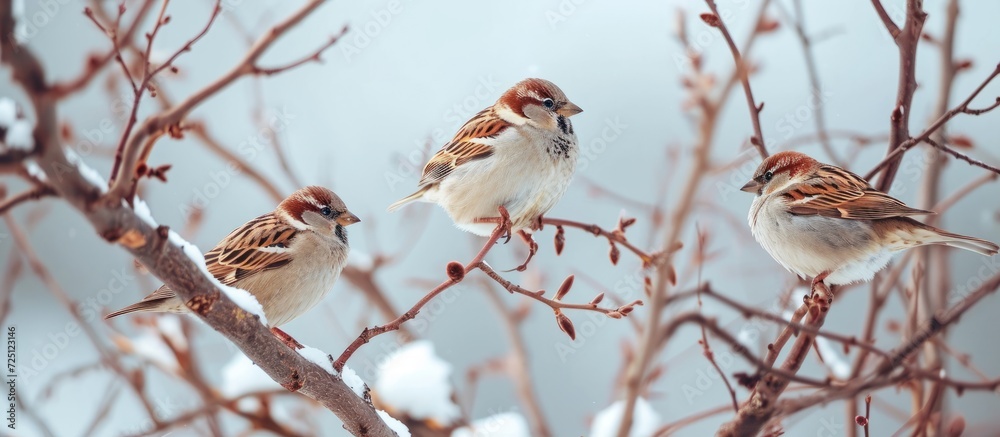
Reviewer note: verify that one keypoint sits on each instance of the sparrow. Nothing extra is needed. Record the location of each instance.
(517, 156)
(823, 222)
(287, 259)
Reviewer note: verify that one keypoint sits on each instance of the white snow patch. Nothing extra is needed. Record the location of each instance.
(833, 359)
(395, 425)
(244, 299)
(8, 111)
(414, 380)
(141, 210)
(241, 376)
(645, 421)
(239, 296)
(88, 173)
(34, 170)
(353, 381)
(19, 135)
(150, 346)
(170, 326)
(21, 28)
(497, 425)
(360, 260)
(318, 357)
(748, 337)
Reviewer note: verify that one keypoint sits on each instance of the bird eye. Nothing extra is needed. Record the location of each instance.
(549, 103)
(326, 211)
(768, 176)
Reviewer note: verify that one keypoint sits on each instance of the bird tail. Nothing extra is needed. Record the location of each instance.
(415, 196)
(931, 235)
(153, 305)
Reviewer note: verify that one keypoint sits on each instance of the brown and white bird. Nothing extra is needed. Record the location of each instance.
(519, 153)
(823, 222)
(287, 259)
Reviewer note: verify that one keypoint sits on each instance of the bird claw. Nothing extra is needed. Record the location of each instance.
(532, 250)
(820, 297)
(287, 339)
(503, 223)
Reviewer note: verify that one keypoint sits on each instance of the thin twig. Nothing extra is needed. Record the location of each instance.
(962, 108)
(36, 193)
(743, 72)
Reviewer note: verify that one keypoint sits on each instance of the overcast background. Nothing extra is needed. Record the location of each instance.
(353, 122)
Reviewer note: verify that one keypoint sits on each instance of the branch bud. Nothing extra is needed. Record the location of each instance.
(711, 19)
(560, 239)
(456, 271)
(566, 325)
(564, 288)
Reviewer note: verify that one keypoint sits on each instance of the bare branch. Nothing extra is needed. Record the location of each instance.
(142, 141)
(743, 72)
(886, 20)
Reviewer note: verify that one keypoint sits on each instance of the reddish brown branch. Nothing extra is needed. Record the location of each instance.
(896, 153)
(616, 236)
(761, 406)
(961, 156)
(886, 19)
(145, 84)
(518, 365)
(26, 196)
(743, 72)
(113, 35)
(313, 57)
(113, 220)
(144, 138)
(456, 272)
(805, 41)
(96, 63)
(907, 39)
(198, 129)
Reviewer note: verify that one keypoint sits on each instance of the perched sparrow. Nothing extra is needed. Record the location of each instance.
(519, 154)
(826, 223)
(288, 259)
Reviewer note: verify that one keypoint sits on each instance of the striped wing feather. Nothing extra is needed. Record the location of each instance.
(835, 192)
(261, 244)
(466, 146)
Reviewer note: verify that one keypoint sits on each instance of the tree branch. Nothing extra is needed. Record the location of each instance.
(113, 221)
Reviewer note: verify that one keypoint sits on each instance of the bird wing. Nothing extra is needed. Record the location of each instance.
(835, 192)
(261, 244)
(468, 145)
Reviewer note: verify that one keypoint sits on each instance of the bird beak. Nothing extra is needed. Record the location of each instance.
(751, 187)
(347, 219)
(569, 109)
